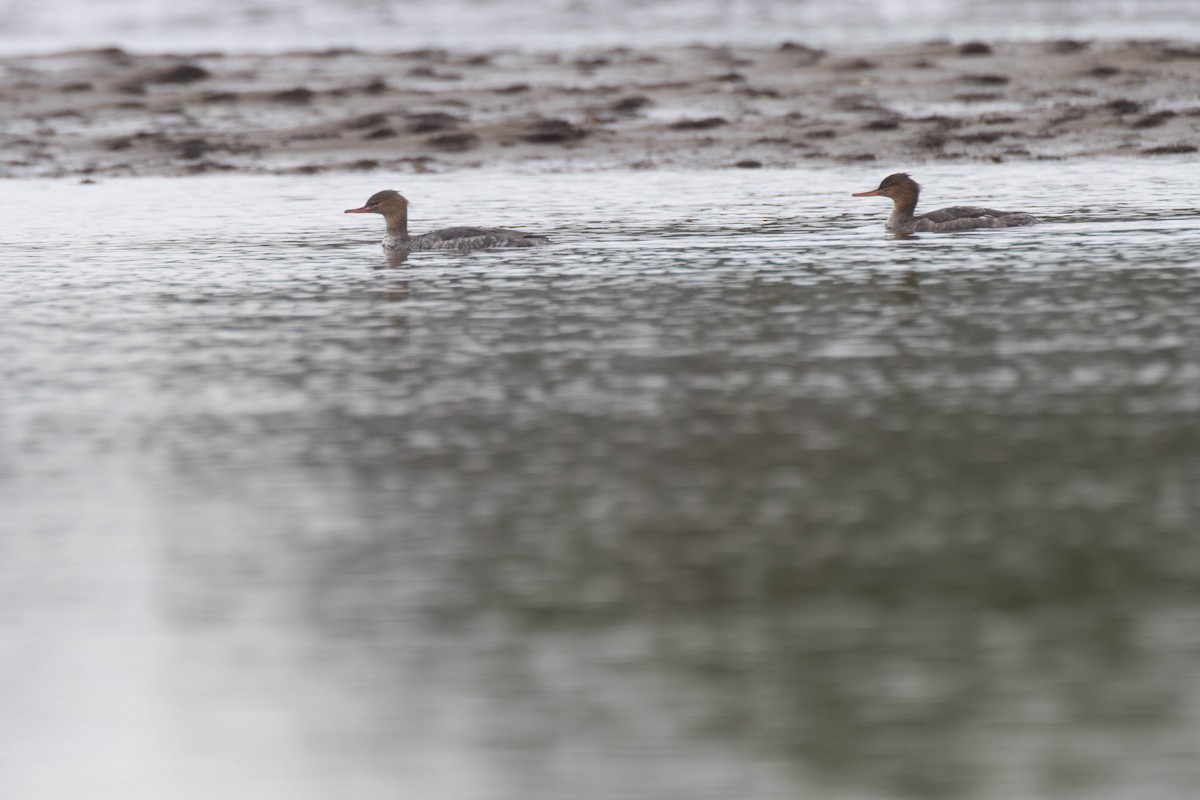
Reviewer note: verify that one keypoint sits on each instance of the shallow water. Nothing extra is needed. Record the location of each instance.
(272, 25)
(725, 494)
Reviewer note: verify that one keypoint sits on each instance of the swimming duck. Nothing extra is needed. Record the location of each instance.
(904, 192)
(394, 208)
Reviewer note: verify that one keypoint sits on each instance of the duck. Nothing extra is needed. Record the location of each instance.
(904, 192)
(394, 208)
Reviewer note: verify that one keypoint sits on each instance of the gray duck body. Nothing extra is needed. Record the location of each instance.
(465, 238)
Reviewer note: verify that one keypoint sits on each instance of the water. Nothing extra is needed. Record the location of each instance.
(273, 25)
(727, 493)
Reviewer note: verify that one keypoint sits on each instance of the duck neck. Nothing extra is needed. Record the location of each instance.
(397, 225)
(903, 207)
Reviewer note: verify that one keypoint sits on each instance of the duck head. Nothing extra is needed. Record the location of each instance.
(899, 187)
(389, 202)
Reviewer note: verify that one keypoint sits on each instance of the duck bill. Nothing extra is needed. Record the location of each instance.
(363, 210)
(872, 193)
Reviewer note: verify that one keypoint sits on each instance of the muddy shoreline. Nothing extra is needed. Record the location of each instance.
(109, 112)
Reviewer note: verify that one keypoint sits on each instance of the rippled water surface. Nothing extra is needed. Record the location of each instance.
(725, 494)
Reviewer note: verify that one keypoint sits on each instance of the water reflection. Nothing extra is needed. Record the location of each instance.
(706, 509)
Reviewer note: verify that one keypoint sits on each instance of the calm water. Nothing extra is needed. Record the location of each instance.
(726, 494)
(169, 25)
